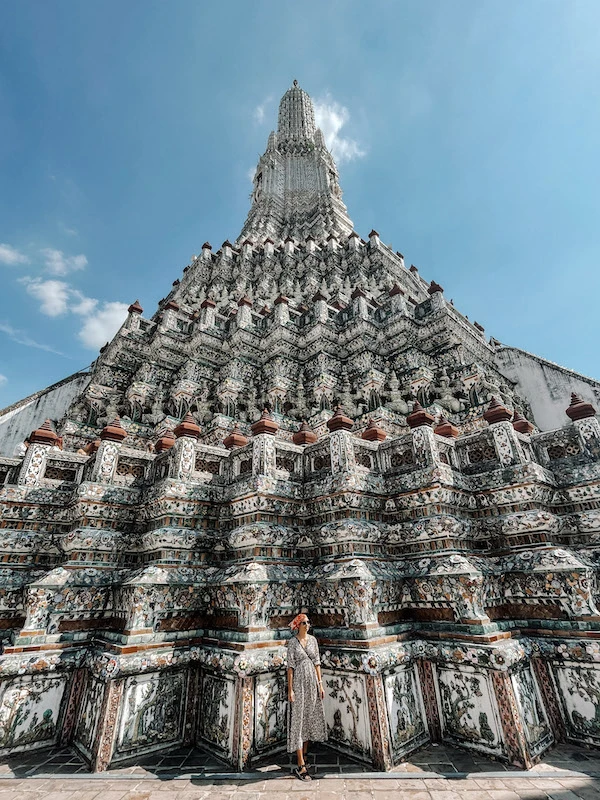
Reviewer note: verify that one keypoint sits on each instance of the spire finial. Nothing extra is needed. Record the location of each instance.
(296, 118)
(296, 189)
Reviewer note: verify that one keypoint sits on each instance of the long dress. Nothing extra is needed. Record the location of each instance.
(306, 720)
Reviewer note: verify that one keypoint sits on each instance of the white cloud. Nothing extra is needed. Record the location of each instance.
(20, 337)
(259, 111)
(52, 295)
(330, 117)
(11, 256)
(69, 231)
(100, 320)
(57, 297)
(100, 327)
(3, 379)
(59, 264)
(81, 304)
(251, 173)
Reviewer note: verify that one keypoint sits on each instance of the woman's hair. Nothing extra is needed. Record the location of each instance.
(295, 623)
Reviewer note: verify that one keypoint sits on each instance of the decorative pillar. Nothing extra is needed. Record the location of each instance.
(397, 301)
(437, 296)
(320, 308)
(183, 452)
(378, 720)
(515, 741)
(34, 462)
(522, 425)
(111, 439)
(373, 433)
(263, 445)
(247, 248)
(243, 727)
(206, 252)
(191, 706)
(583, 416)
(374, 240)
(207, 313)
(341, 442)
(506, 442)
(235, 439)
(432, 709)
(359, 303)
(304, 434)
(282, 312)
(244, 315)
(353, 241)
(70, 719)
(549, 698)
(169, 316)
(424, 444)
(135, 312)
(102, 748)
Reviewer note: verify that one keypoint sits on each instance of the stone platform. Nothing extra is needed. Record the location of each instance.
(433, 773)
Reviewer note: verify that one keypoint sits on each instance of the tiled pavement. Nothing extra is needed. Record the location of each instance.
(433, 773)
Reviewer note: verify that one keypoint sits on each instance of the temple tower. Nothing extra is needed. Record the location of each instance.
(303, 424)
(296, 190)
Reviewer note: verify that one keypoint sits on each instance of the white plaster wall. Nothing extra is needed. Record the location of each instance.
(52, 403)
(546, 386)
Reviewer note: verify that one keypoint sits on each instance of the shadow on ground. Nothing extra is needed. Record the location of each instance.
(440, 759)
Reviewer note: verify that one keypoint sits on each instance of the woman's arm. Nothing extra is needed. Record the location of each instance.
(320, 679)
(290, 680)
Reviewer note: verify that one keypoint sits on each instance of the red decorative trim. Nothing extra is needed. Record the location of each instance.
(432, 711)
(549, 698)
(107, 725)
(76, 690)
(247, 720)
(237, 716)
(380, 740)
(191, 706)
(512, 727)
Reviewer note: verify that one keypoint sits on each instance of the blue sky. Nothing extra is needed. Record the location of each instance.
(468, 135)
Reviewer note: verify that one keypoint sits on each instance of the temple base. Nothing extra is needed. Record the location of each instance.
(380, 705)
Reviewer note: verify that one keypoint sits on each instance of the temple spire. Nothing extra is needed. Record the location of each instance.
(296, 115)
(296, 191)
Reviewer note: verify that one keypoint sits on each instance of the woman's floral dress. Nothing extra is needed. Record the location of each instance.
(306, 720)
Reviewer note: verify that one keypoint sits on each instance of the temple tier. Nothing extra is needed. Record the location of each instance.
(303, 425)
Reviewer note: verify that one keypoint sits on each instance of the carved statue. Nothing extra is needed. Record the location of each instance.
(347, 399)
(396, 402)
(300, 409)
(444, 395)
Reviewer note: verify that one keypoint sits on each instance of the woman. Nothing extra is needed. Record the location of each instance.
(305, 693)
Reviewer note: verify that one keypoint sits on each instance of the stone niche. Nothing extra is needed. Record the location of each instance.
(347, 713)
(216, 723)
(578, 689)
(470, 714)
(151, 714)
(405, 712)
(32, 709)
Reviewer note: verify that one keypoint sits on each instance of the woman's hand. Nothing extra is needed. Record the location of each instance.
(291, 696)
(321, 690)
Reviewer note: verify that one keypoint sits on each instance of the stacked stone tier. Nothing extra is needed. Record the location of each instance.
(420, 559)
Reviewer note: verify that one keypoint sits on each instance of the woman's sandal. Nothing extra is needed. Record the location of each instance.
(302, 773)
